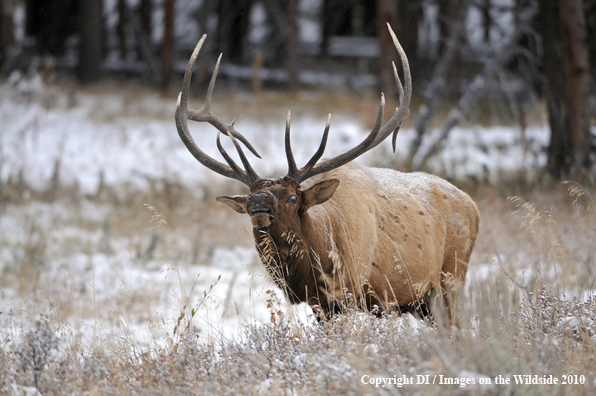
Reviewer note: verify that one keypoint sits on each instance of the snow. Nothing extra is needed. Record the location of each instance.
(130, 140)
(124, 139)
(418, 185)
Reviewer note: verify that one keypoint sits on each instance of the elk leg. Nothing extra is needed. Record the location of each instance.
(453, 275)
(331, 286)
(449, 288)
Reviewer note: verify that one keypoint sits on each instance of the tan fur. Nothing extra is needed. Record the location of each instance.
(385, 237)
(399, 234)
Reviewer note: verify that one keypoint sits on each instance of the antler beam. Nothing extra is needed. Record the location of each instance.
(376, 136)
(183, 114)
(248, 176)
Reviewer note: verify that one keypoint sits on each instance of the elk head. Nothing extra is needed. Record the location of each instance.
(281, 202)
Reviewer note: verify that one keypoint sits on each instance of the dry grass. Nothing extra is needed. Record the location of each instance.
(527, 310)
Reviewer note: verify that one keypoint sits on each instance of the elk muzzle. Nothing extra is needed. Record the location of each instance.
(260, 208)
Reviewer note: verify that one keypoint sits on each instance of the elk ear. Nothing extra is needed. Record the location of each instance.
(318, 193)
(237, 202)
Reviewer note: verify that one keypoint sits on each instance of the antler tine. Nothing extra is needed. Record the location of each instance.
(204, 114)
(183, 115)
(403, 111)
(292, 168)
(310, 169)
(400, 88)
(182, 121)
(252, 175)
(229, 159)
(378, 134)
(209, 96)
(321, 150)
(400, 96)
(249, 176)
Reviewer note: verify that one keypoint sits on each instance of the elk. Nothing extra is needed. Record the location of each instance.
(336, 229)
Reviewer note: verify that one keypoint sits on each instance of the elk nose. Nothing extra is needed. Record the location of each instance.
(258, 198)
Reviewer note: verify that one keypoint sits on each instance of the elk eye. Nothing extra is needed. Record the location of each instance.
(293, 199)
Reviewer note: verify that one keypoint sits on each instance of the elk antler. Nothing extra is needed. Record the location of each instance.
(247, 176)
(376, 136)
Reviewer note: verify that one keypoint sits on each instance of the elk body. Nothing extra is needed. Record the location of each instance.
(336, 228)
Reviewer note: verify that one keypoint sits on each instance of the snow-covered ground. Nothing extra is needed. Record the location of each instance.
(82, 140)
(127, 138)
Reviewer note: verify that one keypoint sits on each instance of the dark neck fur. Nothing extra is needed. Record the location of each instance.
(288, 259)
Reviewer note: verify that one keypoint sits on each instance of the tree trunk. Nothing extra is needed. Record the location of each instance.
(6, 30)
(577, 80)
(52, 22)
(146, 11)
(409, 16)
(333, 14)
(90, 52)
(142, 27)
(232, 26)
(207, 10)
(387, 13)
(559, 156)
(486, 19)
(166, 45)
(450, 21)
(436, 90)
(121, 29)
(591, 31)
(292, 45)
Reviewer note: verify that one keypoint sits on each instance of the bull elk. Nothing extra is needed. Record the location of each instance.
(334, 228)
